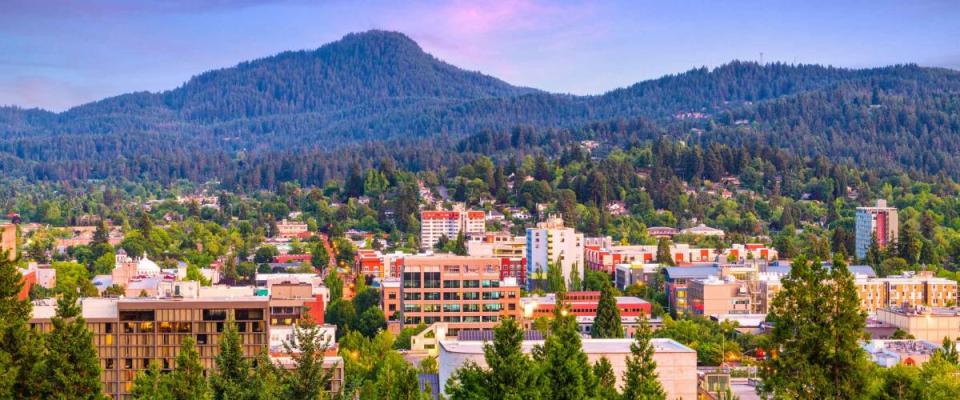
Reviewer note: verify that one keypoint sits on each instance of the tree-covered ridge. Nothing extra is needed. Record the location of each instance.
(299, 115)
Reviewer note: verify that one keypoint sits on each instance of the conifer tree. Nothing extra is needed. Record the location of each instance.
(555, 281)
(20, 347)
(71, 366)
(307, 380)
(564, 364)
(607, 323)
(187, 381)
(150, 385)
(817, 327)
(232, 375)
(640, 378)
(606, 380)
(265, 383)
(663, 252)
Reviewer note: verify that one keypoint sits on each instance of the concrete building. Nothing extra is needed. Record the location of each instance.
(714, 296)
(552, 243)
(676, 363)
(930, 324)
(435, 224)
(465, 292)
(909, 289)
(606, 258)
(8, 240)
(880, 221)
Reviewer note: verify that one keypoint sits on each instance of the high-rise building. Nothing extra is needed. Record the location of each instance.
(436, 224)
(879, 221)
(552, 243)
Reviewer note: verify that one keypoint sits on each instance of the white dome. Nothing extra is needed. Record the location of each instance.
(147, 267)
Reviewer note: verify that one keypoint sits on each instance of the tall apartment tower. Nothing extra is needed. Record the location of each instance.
(434, 224)
(550, 242)
(879, 220)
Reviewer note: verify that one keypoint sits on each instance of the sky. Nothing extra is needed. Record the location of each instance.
(56, 54)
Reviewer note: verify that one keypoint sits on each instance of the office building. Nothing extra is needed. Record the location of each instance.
(8, 240)
(465, 292)
(552, 243)
(879, 221)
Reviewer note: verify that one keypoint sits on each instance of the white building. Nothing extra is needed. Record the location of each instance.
(880, 221)
(435, 224)
(549, 243)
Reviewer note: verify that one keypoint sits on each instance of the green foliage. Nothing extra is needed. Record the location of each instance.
(307, 379)
(187, 380)
(71, 367)
(640, 378)
(232, 377)
(335, 285)
(607, 322)
(73, 277)
(817, 327)
(510, 374)
(562, 359)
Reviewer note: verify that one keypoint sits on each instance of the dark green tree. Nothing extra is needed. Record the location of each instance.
(818, 324)
(21, 348)
(640, 380)
(510, 374)
(150, 384)
(319, 257)
(606, 380)
(71, 365)
(576, 282)
(187, 381)
(232, 377)
(308, 379)
(555, 281)
(607, 323)
(663, 252)
(562, 360)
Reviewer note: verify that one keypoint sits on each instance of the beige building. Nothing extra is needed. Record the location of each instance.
(907, 290)
(676, 363)
(930, 324)
(552, 243)
(713, 296)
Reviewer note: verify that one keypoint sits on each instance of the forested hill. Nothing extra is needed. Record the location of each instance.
(379, 92)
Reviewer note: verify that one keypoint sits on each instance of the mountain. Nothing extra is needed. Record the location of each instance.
(377, 94)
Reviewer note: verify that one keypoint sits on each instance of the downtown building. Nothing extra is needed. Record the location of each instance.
(449, 224)
(466, 293)
(878, 222)
(553, 243)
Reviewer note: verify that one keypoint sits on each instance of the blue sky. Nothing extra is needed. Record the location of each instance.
(56, 54)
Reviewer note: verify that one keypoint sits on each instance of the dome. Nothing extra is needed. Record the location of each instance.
(147, 267)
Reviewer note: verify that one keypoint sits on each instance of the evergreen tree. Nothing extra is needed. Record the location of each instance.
(874, 256)
(607, 322)
(71, 364)
(102, 235)
(233, 370)
(510, 373)
(21, 348)
(606, 380)
(460, 246)
(640, 378)
(187, 381)
(562, 360)
(817, 327)
(151, 385)
(663, 252)
(265, 383)
(307, 380)
(576, 282)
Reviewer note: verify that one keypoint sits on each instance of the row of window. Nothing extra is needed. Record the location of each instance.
(487, 307)
(431, 319)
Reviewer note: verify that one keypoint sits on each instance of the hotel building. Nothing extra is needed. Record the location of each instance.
(879, 221)
(551, 243)
(436, 224)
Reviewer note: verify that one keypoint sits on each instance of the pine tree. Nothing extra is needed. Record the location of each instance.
(101, 235)
(663, 252)
(576, 282)
(460, 246)
(640, 378)
(187, 381)
(265, 383)
(606, 380)
(555, 278)
(71, 365)
(874, 256)
(607, 323)
(512, 374)
(150, 385)
(817, 327)
(307, 380)
(562, 360)
(20, 347)
(233, 370)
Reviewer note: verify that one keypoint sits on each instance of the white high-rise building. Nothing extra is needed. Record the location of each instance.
(880, 221)
(434, 224)
(550, 242)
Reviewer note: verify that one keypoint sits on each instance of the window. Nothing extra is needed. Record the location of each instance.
(249, 314)
(411, 296)
(451, 296)
(451, 284)
(128, 363)
(431, 296)
(431, 280)
(109, 364)
(471, 284)
(214, 315)
(411, 308)
(202, 338)
(492, 307)
(411, 279)
(491, 295)
(451, 308)
(471, 296)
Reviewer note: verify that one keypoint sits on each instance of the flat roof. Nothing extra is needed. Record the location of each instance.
(590, 346)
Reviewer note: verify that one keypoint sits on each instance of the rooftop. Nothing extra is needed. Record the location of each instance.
(590, 346)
